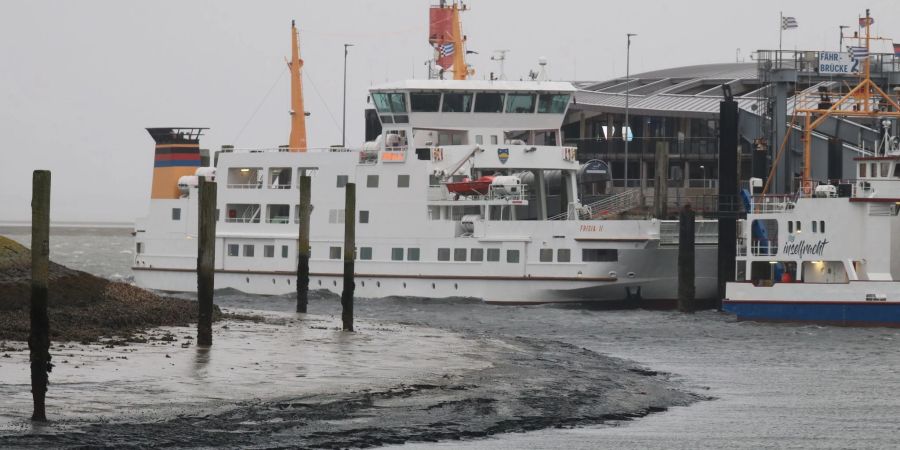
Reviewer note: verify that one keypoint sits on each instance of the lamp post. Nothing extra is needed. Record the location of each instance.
(344, 118)
(626, 129)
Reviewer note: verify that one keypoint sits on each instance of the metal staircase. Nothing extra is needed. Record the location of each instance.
(609, 206)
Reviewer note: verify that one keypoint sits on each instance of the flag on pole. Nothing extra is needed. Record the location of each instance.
(859, 53)
(862, 21)
(788, 22)
(896, 49)
(446, 49)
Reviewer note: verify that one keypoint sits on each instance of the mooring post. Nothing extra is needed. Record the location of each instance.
(39, 339)
(729, 181)
(686, 259)
(206, 257)
(303, 245)
(349, 254)
(661, 181)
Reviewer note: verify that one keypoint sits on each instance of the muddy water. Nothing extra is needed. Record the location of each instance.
(774, 386)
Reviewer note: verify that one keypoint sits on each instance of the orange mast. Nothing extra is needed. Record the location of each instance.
(297, 141)
(460, 69)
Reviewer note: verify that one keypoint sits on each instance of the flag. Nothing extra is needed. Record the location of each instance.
(896, 49)
(788, 22)
(859, 53)
(862, 21)
(446, 49)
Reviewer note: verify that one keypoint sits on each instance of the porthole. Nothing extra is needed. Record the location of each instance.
(378, 284)
(404, 285)
(630, 274)
(273, 281)
(288, 281)
(432, 285)
(335, 283)
(320, 282)
(456, 286)
(363, 283)
(248, 279)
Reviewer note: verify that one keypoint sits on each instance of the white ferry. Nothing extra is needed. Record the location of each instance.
(831, 252)
(467, 192)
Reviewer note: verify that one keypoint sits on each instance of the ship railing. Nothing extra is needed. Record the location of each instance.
(763, 247)
(285, 149)
(244, 185)
(282, 219)
(242, 219)
(705, 232)
(769, 204)
(614, 204)
(440, 193)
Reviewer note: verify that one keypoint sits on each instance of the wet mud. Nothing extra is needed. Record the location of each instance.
(529, 384)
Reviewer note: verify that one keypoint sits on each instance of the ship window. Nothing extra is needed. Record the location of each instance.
(422, 102)
(334, 252)
(563, 255)
(479, 139)
(382, 103)
(862, 170)
(363, 217)
(402, 181)
(372, 181)
(885, 167)
(396, 254)
(412, 254)
(493, 139)
(896, 170)
(401, 118)
(512, 256)
(599, 254)
(443, 254)
(520, 103)
(284, 251)
(140, 247)
(486, 102)
(821, 226)
(176, 213)
(477, 254)
(269, 251)
(798, 226)
(307, 172)
(233, 250)
(459, 254)
(553, 104)
(546, 255)
(815, 228)
(279, 178)
(790, 226)
(248, 250)
(342, 180)
(493, 254)
(217, 214)
(365, 253)
(457, 102)
(387, 119)
(873, 170)
(398, 102)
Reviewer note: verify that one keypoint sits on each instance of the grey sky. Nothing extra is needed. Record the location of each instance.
(81, 80)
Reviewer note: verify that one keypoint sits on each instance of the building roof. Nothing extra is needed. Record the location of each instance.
(476, 85)
(683, 91)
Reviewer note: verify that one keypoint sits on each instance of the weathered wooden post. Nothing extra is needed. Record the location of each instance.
(728, 194)
(303, 245)
(349, 254)
(39, 340)
(206, 257)
(661, 181)
(686, 259)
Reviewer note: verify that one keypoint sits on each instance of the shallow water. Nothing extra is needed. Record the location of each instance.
(776, 386)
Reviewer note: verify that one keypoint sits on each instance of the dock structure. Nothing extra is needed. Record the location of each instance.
(680, 106)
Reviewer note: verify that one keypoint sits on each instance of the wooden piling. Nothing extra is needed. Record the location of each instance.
(39, 339)
(661, 181)
(206, 257)
(303, 245)
(686, 289)
(729, 201)
(349, 254)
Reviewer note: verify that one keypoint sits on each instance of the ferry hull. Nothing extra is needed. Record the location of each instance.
(857, 303)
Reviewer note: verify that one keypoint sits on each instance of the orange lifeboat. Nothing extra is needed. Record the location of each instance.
(479, 186)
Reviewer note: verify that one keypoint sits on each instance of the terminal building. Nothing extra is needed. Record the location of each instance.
(677, 111)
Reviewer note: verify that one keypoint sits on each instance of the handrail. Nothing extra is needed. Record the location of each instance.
(614, 204)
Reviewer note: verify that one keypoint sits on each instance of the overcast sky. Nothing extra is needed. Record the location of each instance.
(80, 80)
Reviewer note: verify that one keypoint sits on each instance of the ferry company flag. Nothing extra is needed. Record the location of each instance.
(896, 49)
(788, 22)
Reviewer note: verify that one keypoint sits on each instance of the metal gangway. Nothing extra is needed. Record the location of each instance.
(609, 206)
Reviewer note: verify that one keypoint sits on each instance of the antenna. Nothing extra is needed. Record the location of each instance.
(500, 55)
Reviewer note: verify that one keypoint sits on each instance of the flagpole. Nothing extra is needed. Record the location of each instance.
(780, 31)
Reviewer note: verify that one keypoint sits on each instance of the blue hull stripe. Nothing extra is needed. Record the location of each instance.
(862, 313)
(175, 163)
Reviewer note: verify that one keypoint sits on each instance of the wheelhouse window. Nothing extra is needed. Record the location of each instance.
(424, 102)
(390, 102)
(488, 102)
(552, 103)
(457, 102)
(520, 103)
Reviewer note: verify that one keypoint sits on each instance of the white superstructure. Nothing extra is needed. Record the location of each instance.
(520, 238)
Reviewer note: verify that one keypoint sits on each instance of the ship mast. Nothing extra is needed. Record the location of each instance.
(460, 69)
(448, 40)
(297, 141)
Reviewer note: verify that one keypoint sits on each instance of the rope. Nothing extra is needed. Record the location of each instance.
(265, 97)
